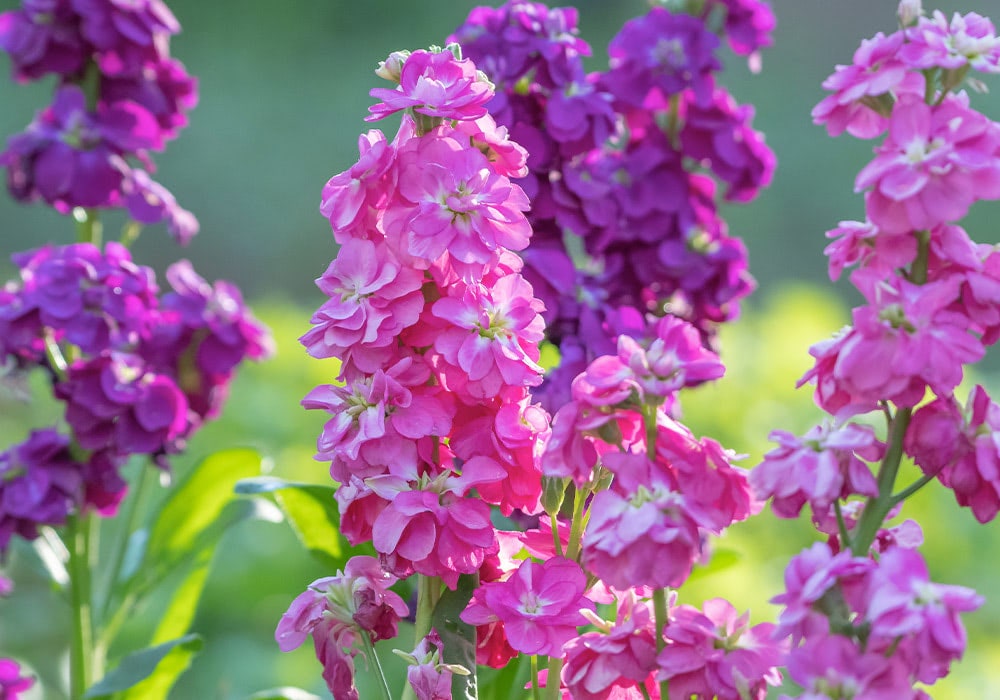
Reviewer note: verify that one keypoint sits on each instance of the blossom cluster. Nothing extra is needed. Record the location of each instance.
(626, 166)
(860, 611)
(436, 307)
(119, 96)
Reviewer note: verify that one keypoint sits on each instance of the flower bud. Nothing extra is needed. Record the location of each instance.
(909, 12)
(553, 493)
(391, 67)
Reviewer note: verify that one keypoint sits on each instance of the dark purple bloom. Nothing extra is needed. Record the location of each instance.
(164, 88)
(66, 155)
(43, 37)
(149, 202)
(126, 33)
(662, 51)
(749, 24)
(580, 117)
(40, 484)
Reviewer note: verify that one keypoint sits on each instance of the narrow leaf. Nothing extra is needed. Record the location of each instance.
(157, 686)
(458, 638)
(142, 665)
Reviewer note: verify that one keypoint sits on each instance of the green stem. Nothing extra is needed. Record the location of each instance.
(373, 659)
(660, 612)
(913, 488)
(878, 507)
(82, 661)
(536, 692)
(88, 226)
(428, 592)
(552, 682)
(845, 537)
(577, 525)
(555, 535)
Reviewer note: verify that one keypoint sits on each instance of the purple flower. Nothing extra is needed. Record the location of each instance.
(126, 33)
(163, 88)
(66, 156)
(149, 202)
(662, 51)
(436, 85)
(40, 484)
(12, 683)
(43, 37)
(749, 24)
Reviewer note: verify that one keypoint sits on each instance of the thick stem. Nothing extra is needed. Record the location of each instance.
(577, 525)
(660, 611)
(878, 507)
(82, 661)
(536, 692)
(552, 682)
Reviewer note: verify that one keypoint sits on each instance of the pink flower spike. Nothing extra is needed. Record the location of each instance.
(437, 85)
(539, 605)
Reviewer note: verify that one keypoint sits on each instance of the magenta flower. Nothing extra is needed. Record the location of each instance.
(491, 336)
(12, 683)
(507, 157)
(539, 605)
(934, 164)
(149, 202)
(819, 468)
(968, 40)
(436, 85)
(877, 70)
(864, 245)
(905, 603)
(716, 653)
(349, 197)
(749, 24)
(450, 200)
(429, 677)
(372, 299)
(126, 33)
(43, 37)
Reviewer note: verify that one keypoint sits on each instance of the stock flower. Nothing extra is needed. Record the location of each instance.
(539, 605)
(426, 674)
(819, 468)
(66, 155)
(877, 70)
(163, 87)
(125, 33)
(372, 298)
(42, 37)
(864, 245)
(934, 164)
(749, 24)
(436, 84)
(449, 199)
(967, 40)
(12, 683)
(40, 484)
(669, 52)
(349, 196)
(491, 336)
(905, 604)
(507, 157)
(149, 202)
(715, 652)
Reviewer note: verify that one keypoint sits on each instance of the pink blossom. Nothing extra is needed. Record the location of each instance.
(905, 603)
(716, 653)
(372, 299)
(427, 675)
(539, 605)
(876, 71)
(830, 394)
(449, 199)
(819, 468)
(358, 506)
(968, 40)
(863, 244)
(12, 683)
(507, 157)
(490, 338)
(437, 85)
(934, 164)
(350, 197)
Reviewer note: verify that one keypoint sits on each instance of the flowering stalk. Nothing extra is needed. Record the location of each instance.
(83, 662)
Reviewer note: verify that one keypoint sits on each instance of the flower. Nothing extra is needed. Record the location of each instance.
(43, 37)
(12, 683)
(539, 605)
(968, 40)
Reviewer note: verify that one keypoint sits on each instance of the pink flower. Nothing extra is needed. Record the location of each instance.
(449, 199)
(819, 468)
(876, 71)
(350, 197)
(934, 164)
(717, 654)
(427, 675)
(905, 603)
(968, 40)
(507, 157)
(491, 336)
(372, 299)
(438, 85)
(12, 683)
(862, 244)
(539, 605)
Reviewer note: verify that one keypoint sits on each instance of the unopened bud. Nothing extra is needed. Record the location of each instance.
(909, 12)
(553, 493)
(391, 67)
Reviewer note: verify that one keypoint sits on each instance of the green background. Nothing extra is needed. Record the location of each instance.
(283, 95)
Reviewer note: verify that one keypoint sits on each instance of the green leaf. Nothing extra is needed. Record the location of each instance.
(311, 512)
(458, 638)
(285, 693)
(197, 503)
(506, 683)
(155, 664)
(721, 560)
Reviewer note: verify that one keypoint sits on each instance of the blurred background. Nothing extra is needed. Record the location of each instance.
(284, 90)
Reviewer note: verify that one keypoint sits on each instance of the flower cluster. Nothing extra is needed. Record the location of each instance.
(120, 95)
(432, 312)
(624, 225)
(860, 611)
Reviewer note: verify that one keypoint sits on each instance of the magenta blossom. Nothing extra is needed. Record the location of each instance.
(864, 245)
(429, 677)
(437, 85)
(539, 605)
(12, 683)
(934, 164)
(967, 40)
(349, 197)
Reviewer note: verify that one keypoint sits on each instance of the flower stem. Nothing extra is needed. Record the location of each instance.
(82, 660)
(878, 507)
(577, 525)
(552, 682)
(536, 693)
(88, 226)
(660, 612)
(373, 659)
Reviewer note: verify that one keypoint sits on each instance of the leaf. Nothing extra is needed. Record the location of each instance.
(458, 638)
(198, 502)
(147, 665)
(284, 693)
(311, 512)
(506, 683)
(721, 560)
(157, 686)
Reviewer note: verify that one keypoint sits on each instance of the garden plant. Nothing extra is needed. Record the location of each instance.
(530, 274)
